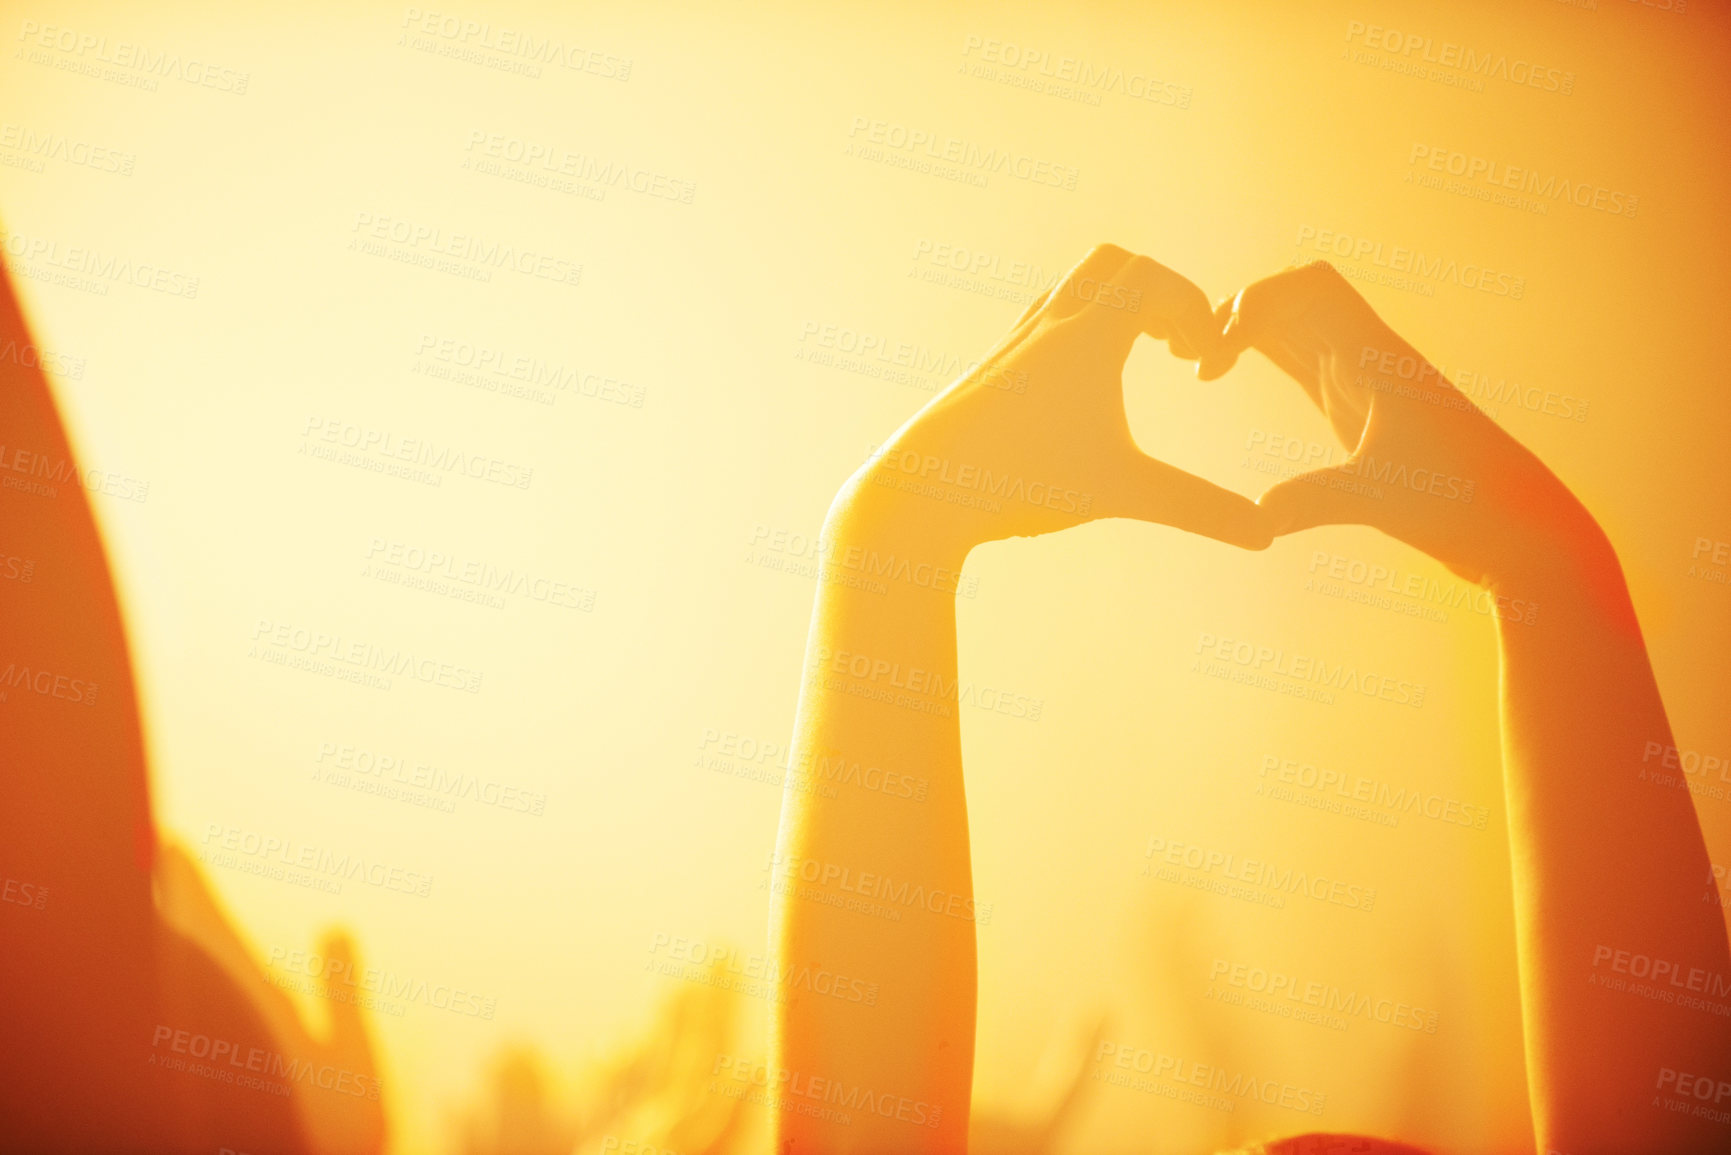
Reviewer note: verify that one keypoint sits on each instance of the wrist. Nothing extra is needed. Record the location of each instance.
(1572, 575)
(873, 513)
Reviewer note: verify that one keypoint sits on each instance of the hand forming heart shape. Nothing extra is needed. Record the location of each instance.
(1036, 439)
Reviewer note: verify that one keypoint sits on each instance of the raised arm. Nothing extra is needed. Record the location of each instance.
(1606, 865)
(872, 885)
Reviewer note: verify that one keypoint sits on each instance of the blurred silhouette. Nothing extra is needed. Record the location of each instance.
(518, 1115)
(1040, 1131)
(136, 1020)
(656, 1094)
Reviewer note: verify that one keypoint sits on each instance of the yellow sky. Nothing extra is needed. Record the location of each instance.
(738, 336)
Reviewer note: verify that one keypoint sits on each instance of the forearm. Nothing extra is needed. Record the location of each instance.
(871, 875)
(1609, 865)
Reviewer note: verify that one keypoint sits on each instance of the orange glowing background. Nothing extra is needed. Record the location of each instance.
(782, 289)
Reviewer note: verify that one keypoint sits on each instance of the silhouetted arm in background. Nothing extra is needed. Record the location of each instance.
(1602, 861)
(874, 886)
(119, 963)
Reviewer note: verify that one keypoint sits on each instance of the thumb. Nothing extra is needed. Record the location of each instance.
(1225, 342)
(1334, 496)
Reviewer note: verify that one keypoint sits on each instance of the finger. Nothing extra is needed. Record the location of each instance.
(1034, 307)
(1076, 289)
(1166, 305)
(1151, 490)
(1144, 296)
(1219, 359)
(348, 1026)
(1336, 496)
(188, 901)
(1092, 270)
(190, 906)
(1263, 308)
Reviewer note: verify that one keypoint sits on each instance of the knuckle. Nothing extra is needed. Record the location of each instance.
(1325, 277)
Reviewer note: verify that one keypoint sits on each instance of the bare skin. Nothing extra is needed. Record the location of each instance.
(1044, 411)
(1602, 861)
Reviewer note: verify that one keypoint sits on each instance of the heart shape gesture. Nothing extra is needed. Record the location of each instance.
(1035, 440)
(1426, 466)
